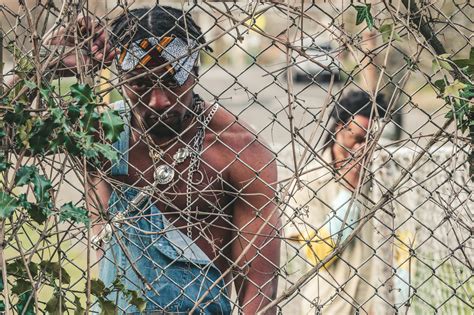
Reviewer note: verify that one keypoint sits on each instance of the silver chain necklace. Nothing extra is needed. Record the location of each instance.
(165, 173)
(197, 145)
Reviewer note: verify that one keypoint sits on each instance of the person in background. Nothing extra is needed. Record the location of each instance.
(329, 203)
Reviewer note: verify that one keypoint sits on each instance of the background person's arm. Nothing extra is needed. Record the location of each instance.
(321, 241)
(319, 226)
(255, 216)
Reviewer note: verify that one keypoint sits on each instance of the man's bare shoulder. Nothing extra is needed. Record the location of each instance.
(235, 133)
(240, 145)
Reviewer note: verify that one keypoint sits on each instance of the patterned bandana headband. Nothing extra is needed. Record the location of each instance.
(170, 48)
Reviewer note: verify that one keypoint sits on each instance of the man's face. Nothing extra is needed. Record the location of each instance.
(157, 100)
(349, 139)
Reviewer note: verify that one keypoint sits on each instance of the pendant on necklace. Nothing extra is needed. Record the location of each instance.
(181, 155)
(164, 174)
(156, 155)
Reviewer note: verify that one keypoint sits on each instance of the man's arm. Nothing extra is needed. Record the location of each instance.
(256, 243)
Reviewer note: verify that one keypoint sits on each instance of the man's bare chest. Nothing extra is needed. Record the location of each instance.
(197, 185)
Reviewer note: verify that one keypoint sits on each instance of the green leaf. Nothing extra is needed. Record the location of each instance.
(4, 164)
(79, 309)
(29, 84)
(53, 269)
(43, 127)
(24, 133)
(42, 185)
(24, 63)
(97, 287)
(441, 62)
(25, 304)
(137, 301)
(462, 109)
(445, 65)
(73, 113)
(56, 143)
(71, 145)
(65, 139)
(118, 285)
(5, 101)
(57, 116)
(38, 143)
(454, 88)
(18, 116)
(112, 123)
(21, 286)
(440, 85)
(363, 14)
(90, 119)
(52, 306)
(76, 214)
(39, 213)
(17, 269)
(33, 268)
(467, 64)
(386, 31)
(24, 175)
(82, 93)
(8, 204)
(107, 307)
(46, 93)
(107, 151)
(468, 92)
(461, 63)
(89, 149)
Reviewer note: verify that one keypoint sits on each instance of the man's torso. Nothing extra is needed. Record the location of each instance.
(211, 192)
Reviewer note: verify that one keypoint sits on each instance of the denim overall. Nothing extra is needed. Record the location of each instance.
(177, 272)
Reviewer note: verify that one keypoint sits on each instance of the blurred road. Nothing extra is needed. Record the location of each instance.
(261, 100)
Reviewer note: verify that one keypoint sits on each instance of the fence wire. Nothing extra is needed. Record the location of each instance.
(290, 157)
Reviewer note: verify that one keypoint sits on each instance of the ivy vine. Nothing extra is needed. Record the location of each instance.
(68, 124)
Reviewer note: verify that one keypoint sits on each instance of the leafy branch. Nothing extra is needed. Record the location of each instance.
(69, 125)
(458, 88)
(100, 291)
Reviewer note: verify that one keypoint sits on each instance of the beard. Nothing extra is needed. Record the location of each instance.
(167, 125)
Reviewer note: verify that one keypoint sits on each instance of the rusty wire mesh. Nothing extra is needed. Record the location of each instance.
(277, 70)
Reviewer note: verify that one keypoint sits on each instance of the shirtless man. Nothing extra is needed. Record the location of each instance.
(192, 207)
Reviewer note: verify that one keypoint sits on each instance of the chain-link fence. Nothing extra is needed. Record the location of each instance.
(293, 157)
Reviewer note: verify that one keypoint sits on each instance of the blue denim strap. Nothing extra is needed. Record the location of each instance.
(121, 166)
(179, 272)
(182, 247)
